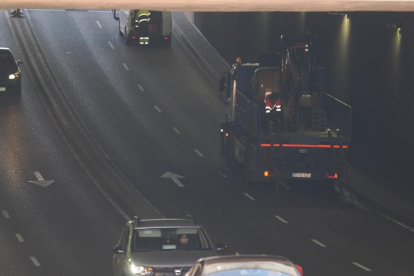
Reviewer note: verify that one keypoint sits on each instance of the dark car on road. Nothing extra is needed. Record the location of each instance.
(10, 74)
(161, 247)
(245, 265)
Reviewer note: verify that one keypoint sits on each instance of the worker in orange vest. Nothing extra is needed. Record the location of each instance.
(273, 109)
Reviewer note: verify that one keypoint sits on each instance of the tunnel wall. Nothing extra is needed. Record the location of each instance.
(368, 65)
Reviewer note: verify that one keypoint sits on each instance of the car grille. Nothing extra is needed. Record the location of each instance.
(169, 271)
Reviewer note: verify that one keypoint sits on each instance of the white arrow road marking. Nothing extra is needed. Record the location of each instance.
(176, 130)
(5, 214)
(282, 220)
(223, 175)
(35, 261)
(111, 45)
(19, 237)
(361, 266)
(41, 181)
(174, 178)
(198, 152)
(157, 108)
(249, 196)
(99, 24)
(141, 88)
(318, 243)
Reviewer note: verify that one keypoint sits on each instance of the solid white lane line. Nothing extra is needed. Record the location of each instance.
(157, 108)
(361, 266)
(198, 152)
(249, 196)
(38, 176)
(399, 223)
(176, 130)
(99, 24)
(282, 220)
(141, 88)
(19, 237)
(125, 66)
(35, 261)
(318, 243)
(5, 214)
(111, 45)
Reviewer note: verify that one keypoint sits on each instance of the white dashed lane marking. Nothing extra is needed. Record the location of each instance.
(249, 196)
(35, 261)
(125, 66)
(157, 108)
(176, 130)
(198, 152)
(99, 24)
(111, 45)
(5, 214)
(19, 237)
(282, 220)
(141, 88)
(318, 243)
(361, 266)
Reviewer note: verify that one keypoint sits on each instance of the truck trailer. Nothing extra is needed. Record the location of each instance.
(303, 136)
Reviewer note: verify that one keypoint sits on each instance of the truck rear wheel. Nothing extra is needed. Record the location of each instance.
(127, 39)
(247, 172)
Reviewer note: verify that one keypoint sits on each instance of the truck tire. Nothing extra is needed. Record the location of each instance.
(127, 39)
(168, 41)
(231, 162)
(247, 172)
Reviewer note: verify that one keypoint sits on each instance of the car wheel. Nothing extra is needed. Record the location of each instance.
(127, 39)
(18, 89)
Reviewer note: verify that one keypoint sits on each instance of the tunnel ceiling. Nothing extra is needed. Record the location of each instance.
(216, 5)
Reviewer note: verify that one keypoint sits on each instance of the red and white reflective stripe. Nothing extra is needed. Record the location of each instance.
(278, 107)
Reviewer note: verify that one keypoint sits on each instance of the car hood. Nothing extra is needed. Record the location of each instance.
(173, 258)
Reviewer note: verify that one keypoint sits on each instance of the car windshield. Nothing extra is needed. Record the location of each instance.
(165, 239)
(253, 272)
(6, 59)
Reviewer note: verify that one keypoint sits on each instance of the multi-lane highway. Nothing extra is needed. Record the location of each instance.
(153, 111)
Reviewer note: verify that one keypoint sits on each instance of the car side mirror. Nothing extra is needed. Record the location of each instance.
(118, 250)
(300, 269)
(221, 247)
(19, 62)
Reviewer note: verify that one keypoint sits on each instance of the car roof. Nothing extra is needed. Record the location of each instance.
(166, 223)
(3, 49)
(244, 258)
(266, 262)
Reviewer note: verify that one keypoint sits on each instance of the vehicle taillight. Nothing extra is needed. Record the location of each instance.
(266, 173)
(165, 37)
(333, 176)
(133, 37)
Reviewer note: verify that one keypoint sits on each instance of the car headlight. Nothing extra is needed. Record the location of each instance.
(12, 76)
(142, 270)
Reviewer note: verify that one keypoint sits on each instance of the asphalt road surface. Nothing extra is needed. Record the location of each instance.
(154, 110)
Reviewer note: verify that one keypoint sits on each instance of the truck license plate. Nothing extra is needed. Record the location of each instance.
(2, 88)
(302, 175)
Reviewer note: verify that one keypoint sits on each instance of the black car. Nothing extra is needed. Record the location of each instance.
(10, 74)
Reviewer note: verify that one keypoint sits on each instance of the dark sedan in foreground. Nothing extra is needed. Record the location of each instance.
(10, 74)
